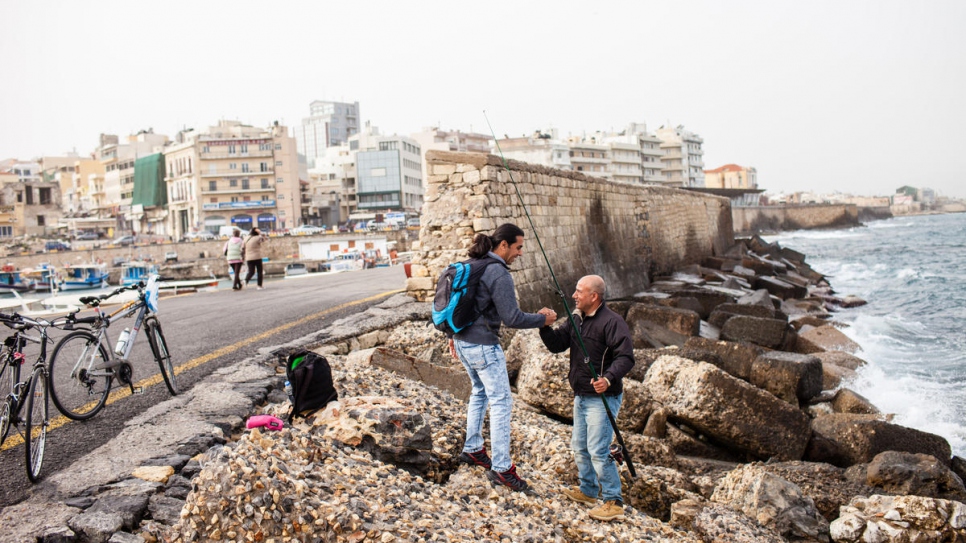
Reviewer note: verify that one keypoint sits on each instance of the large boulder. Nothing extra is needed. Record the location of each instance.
(773, 502)
(780, 288)
(709, 298)
(655, 489)
(840, 359)
(835, 376)
(452, 379)
(736, 359)
(723, 312)
(825, 338)
(765, 332)
(790, 376)
(730, 411)
(900, 518)
(847, 439)
(542, 381)
(828, 486)
(390, 429)
(714, 522)
(920, 474)
(849, 401)
(681, 321)
(760, 297)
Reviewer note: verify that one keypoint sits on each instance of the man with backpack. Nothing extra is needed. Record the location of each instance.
(478, 347)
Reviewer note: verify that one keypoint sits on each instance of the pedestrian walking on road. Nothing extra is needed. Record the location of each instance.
(235, 253)
(253, 255)
(478, 348)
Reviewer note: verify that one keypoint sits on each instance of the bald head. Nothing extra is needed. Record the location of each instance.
(589, 293)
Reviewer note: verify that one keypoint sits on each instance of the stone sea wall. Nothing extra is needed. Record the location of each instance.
(752, 220)
(627, 234)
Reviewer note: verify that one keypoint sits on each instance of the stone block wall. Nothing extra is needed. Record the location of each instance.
(625, 233)
(752, 220)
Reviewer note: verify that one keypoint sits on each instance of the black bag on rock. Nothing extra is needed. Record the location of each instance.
(311, 378)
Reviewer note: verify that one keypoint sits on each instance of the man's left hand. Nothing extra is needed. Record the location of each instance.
(600, 384)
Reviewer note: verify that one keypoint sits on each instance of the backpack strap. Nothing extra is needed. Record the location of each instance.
(485, 261)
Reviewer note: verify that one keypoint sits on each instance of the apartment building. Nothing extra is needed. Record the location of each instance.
(332, 188)
(232, 174)
(389, 172)
(683, 160)
(731, 176)
(589, 157)
(544, 148)
(329, 124)
(112, 197)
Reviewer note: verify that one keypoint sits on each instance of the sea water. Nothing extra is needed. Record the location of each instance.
(912, 272)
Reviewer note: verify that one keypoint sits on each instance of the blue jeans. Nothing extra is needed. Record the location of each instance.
(591, 445)
(486, 367)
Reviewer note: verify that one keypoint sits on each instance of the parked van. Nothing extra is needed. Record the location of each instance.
(57, 246)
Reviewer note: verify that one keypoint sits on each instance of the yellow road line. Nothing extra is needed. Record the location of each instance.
(14, 439)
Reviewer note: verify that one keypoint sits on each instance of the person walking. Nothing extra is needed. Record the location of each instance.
(478, 348)
(235, 253)
(611, 351)
(253, 255)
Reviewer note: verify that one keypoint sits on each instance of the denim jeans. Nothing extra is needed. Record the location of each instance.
(486, 366)
(591, 445)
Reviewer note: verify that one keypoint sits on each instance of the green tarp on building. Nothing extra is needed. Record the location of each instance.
(149, 187)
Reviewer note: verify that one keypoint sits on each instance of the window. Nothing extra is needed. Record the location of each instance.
(40, 220)
(234, 198)
(264, 183)
(246, 198)
(213, 200)
(244, 148)
(233, 183)
(245, 167)
(212, 185)
(278, 163)
(6, 231)
(278, 146)
(245, 184)
(279, 180)
(44, 196)
(231, 149)
(232, 166)
(263, 166)
(29, 191)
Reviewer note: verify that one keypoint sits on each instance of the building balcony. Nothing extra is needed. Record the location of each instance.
(250, 154)
(238, 173)
(237, 190)
(235, 206)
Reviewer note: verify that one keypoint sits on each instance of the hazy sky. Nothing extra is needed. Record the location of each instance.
(852, 96)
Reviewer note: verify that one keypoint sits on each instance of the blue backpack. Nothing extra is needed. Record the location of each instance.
(454, 306)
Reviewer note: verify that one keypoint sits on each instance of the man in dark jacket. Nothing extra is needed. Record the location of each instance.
(609, 347)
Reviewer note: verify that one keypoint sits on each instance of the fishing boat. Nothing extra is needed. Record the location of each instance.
(134, 271)
(12, 280)
(83, 276)
(44, 278)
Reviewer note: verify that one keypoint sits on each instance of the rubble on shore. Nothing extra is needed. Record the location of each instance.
(737, 416)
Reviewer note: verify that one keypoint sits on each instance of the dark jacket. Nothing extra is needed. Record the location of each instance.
(497, 298)
(608, 343)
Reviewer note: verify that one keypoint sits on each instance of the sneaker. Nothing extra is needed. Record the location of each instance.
(576, 495)
(260, 288)
(508, 478)
(611, 510)
(478, 458)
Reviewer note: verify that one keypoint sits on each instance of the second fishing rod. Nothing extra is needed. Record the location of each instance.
(563, 299)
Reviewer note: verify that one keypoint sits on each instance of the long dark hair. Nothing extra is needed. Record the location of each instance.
(483, 243)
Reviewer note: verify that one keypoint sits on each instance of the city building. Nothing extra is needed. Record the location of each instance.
(389, 172)
(434, 139)
(329, 124)
(541, 148)
(683, 160)
(112, 198)
(332, 188)
(232, 174)
(30, 208)
(731, 176)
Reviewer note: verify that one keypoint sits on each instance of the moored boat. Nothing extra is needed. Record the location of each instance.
(12, 279)
(43, 277)
(136, 270)
(82, 276)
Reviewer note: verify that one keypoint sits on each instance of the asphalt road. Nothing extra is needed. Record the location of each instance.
(205, 331)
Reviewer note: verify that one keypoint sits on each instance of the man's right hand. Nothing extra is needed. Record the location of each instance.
(550, 316)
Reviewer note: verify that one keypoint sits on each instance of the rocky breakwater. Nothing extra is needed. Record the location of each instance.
(737, 416)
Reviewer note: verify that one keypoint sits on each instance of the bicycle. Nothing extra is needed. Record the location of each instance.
(83, 367)
(32, 393)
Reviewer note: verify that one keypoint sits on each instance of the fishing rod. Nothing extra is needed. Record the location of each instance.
(563, 298)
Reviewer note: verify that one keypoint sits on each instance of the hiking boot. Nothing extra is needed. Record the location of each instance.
(478, 458)
(576, 495)
(611, 510)
(508, 478)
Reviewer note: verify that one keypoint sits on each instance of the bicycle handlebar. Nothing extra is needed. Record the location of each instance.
(94, 301)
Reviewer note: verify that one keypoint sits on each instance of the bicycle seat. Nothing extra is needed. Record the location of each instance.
(92, 301)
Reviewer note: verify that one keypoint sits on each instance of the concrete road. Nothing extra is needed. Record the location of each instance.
(205, 331)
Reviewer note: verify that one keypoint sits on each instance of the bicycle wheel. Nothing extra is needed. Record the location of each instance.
(9, 376)
(77, 391)
(35, 437)
(160, 349)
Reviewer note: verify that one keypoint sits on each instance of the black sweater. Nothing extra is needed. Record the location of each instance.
(609, 345)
